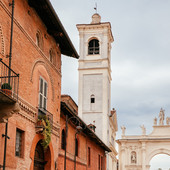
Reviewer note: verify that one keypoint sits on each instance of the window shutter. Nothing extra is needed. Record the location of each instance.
(43, 94)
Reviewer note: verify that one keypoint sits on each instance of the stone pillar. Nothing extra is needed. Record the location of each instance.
(123, 158)
(143, 155)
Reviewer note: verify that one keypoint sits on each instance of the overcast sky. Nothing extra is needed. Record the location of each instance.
(140, 56)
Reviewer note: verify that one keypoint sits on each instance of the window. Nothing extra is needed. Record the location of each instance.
(76, 149)
(19, 143)
(63, 140)
(39, 40)
(102, 163)
(43, 94)
(51, 56)
(93, 47)
(98, 162)
(92, 98)
(92, 102)
(89, 156)
(112, 140)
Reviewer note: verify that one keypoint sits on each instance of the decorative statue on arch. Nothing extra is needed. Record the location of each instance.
(161, 117)
(133, 157)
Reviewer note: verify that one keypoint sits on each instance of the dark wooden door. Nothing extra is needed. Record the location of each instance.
(39, 161)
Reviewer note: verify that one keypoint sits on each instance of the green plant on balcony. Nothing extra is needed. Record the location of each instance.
(46, 130)
(6, 88)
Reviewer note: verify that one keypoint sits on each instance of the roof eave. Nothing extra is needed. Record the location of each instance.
(54, 26)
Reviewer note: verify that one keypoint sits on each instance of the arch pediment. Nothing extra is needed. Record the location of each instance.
(160, 131)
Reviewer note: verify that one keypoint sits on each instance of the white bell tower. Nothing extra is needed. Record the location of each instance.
(95, 74)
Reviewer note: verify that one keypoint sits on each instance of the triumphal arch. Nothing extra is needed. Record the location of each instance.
(135, 152)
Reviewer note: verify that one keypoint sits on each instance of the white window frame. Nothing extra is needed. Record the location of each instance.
(44, 96)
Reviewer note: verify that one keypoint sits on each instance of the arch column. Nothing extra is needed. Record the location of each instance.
(122, 166)
(143, 156)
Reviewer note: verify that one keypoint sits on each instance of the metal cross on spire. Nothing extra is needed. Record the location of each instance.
(95, 8)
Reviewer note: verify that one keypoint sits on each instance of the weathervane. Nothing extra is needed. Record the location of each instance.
(95, 8)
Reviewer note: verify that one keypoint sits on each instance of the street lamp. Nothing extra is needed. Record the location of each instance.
(78, 129)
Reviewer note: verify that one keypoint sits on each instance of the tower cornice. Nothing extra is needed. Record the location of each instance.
(84, 27)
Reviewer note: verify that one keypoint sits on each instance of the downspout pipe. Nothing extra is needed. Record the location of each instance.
(11, 38)
(9, 74)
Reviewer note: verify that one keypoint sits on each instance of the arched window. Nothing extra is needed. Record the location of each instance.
(63, 140)
(92, 102)
(76, 149)
(39, 40)
(93, 47)
(51, 55)
(92, 98)
(133, 157)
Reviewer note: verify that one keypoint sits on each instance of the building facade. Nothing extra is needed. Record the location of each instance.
(37, 43)
(136, 152)
(82, 149)
(95, 82)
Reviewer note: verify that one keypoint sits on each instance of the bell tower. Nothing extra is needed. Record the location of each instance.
(95, 74)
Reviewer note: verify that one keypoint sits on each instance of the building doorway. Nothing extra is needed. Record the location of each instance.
(39, 159)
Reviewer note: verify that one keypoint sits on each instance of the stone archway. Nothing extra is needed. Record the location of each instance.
(48, 157)
(157, 152)
(161, 161)
(145, 146)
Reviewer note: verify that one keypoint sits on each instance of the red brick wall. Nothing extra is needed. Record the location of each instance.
(30, 62)
(84, 142)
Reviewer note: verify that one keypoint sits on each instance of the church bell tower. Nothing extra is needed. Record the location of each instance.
(95, 74)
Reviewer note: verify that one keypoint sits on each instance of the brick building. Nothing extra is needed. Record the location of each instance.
(84, 150)
(39, 39)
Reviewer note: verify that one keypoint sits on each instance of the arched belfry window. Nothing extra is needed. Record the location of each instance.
(93, 47)
(63, 140)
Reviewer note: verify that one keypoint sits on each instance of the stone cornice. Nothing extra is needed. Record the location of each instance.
(84, 27)
(27, 111)
(30, 113)
(98, 68)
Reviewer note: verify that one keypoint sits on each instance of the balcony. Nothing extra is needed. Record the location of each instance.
(9, 83)
(43, 114)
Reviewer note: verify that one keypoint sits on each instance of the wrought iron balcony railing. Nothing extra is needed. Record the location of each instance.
(9, 81)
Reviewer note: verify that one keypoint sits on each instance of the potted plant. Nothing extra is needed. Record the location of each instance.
(7, 89)
(46, 132)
